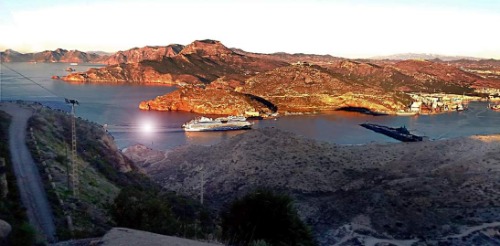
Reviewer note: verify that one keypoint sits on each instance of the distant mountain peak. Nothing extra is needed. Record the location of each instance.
(208, 41)
(206, 47)
(11, 51)
(423, 56)
(60, 50)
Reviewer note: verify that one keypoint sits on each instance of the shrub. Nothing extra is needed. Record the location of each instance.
(263, 216)
(166, 214)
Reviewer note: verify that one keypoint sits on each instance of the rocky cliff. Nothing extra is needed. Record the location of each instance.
(217, 98)
(137, 73)
(290, 89)
(425, 193)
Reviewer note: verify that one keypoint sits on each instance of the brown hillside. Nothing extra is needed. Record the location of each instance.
(370, 192)
(153, 53)
(217, 98)
(200, 62)
(305, 88)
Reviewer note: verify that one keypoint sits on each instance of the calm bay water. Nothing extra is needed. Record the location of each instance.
(117, 106)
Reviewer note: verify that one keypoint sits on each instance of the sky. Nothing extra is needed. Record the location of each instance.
(353, 29)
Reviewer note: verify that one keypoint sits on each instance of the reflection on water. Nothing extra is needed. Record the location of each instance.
(206, 138)
(117, 106)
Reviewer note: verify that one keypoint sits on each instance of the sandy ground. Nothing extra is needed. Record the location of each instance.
(28, 178)
(124, 236)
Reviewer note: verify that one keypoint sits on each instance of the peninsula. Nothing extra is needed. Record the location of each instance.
(214, 79)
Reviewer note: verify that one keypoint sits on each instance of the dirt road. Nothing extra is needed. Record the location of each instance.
(28, 178)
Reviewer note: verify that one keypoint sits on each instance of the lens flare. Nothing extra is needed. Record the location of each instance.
(147, 127)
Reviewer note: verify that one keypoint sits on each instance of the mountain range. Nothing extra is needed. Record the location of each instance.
(158, 52)
(423, 56)
(58, 55)
(215, 79)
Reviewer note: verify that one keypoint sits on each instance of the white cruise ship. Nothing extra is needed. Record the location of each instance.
(219, 124)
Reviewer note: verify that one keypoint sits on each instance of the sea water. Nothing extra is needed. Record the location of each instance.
(116, 106)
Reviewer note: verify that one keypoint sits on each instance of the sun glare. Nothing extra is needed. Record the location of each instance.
(147, 127)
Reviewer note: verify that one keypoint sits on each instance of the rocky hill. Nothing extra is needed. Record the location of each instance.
(311, 88)
(216, 98)
(144, 72)
(435, 73)
(292, 58)
(428, 192)
(304, 87)
(153, 53)
(58, 55)
(489, 70)
(314, 83)
(332, 83)
(202, 61)
(408, 76)
(14, 56)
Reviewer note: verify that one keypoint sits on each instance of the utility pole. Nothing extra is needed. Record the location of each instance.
(200, 169)
(74, 165)
(202, 184)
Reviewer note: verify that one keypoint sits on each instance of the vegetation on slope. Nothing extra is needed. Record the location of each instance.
(102, 171)
(163, 213)
(112, 192)
(11, 209)
(264, 216)
(425, 191)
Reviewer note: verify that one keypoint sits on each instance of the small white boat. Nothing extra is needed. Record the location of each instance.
(406, 113)
(73, 64)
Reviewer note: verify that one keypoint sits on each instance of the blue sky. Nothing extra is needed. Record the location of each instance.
(359, 28)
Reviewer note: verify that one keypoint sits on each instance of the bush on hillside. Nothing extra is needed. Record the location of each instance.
(166, 214)
(263, 216)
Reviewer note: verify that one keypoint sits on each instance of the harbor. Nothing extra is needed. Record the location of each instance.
(436, 103)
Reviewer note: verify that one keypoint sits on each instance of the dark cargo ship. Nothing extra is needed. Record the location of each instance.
(401, 133)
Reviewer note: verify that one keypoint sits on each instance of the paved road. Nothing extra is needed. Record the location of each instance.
(29, 182)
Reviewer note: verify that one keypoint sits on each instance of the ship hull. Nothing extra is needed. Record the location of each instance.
(406, 113)
(230, 123)
(219, 128)
(395, 133)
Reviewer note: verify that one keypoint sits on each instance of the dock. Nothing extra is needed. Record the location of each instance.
(402, 134)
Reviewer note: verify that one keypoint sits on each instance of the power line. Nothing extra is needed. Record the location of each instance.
(74, 166)
(34, 82)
